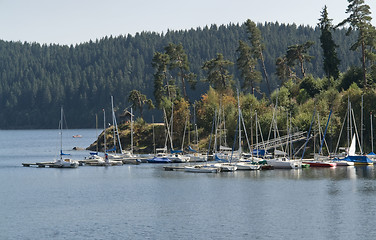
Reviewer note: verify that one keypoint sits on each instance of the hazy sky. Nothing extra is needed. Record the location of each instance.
(76, 21)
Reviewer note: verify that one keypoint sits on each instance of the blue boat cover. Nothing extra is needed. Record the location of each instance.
(358, 159)
(371, 153)
(261, 152)
(112, 150)
(191, 149)
(159, 160)
(216, 158)
(62, 154)
(176, 151)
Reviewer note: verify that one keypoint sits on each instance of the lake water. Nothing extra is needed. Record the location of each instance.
(146, 202)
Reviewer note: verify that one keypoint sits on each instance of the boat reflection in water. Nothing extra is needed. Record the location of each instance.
(339, 173)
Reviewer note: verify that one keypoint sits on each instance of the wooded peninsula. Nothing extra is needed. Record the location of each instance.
(195, 79)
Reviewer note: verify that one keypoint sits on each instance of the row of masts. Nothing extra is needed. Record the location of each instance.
(284, 142)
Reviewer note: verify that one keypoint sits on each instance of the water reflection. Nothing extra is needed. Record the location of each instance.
(336, 173)
(365, 171)
(145, 202)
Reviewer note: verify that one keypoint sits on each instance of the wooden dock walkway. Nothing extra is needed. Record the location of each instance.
(173, 168)
(40, 164)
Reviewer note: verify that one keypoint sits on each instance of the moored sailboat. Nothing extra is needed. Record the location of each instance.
(247, 166)
(63, 162)
(95, 159)
(353, 157)
(319, 159)
(284, 163)
(351, 150)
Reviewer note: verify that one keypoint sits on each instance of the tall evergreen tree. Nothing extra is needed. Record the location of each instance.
(160, 63)
(359, 20)
(179, 61)
(331, 61)
(247, 66)
(284, 70)
(218, 75)
(257, 47)
(139, 100)
(299, 53)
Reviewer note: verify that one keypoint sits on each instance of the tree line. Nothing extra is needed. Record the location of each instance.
(298, 94)
(36, 79)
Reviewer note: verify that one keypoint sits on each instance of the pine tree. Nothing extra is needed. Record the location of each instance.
(331, 61)
(284, 70)
(257, 47)
(360, 21)
(299, 53)
(179, 60)
(218, 75)
(160, 63)
(139, 100)
(247, 66)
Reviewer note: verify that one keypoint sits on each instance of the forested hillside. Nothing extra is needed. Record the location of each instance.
(35, 80)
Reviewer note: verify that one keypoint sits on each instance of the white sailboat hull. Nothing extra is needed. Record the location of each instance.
(178, 158)
(284, 163)
(197, 157)
(247, 166)
(225, 167)
(65, 163)
(344, 163)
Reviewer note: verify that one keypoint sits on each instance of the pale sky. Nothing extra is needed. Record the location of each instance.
(76, 21)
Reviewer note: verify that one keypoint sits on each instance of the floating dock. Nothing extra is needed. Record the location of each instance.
(173, 168)
(41, 164)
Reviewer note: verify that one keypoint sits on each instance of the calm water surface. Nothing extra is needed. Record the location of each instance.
(145, 202)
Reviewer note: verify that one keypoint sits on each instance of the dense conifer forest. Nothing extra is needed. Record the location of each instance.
(35, 80)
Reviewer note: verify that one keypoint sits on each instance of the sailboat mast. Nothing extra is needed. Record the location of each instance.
(257, 151)
(211, 133)
(371, 132)
(314, 136)
(131, 131)
(189, 129)
(104, 130)
(224, 126)
(261, 136)
(116, 130)
(185, 129)
(308, 134)
(361, 125)
(326, 128)
(351, 120)
(251, 145)
(239, 127)
(216, 126)
(290, 135)
(61, 132)
(356, 132)
(152, 117)
(96, 129)
(348, 123)
(113, 121)
(194, 120)
(287, 133)
(104, 135)
(172, 125)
